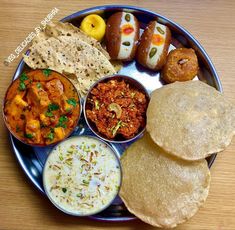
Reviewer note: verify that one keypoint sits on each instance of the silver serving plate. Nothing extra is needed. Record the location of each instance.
(32, 159)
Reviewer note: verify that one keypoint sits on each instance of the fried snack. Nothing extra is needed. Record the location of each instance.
(190, 120)
(66, 29)
(160, 190)
(181, 65)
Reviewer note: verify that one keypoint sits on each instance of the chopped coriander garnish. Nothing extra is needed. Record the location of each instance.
(62, 121)
(46, 72)
(68, 110)
(61, 125)
(39, 85)
(23, 77)
(29, 135)
(50, 136)
(72, 102)
(22, 86)
(63, 118)
(53, 107)
(64, 190)
(49, 114)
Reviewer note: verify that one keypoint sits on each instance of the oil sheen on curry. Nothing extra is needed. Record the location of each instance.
(117, 109)
(41, 107)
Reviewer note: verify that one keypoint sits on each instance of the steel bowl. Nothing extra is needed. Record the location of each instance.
(40, 145)
(133, 83)
(61, 208)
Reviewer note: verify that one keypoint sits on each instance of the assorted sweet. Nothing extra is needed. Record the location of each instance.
(82, 175)
(122, 34)
(41, 107)
(165, 175)
(94, 26)
(153, 47)
(117, 108)
(181, 65)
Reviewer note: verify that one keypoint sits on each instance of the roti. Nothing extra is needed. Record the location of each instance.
(190, 120)
(81, 62)
(161, 190)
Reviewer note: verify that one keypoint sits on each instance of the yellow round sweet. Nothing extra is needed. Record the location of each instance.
(94, 26)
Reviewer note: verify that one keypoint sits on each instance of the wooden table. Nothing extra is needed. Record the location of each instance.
(212, 24)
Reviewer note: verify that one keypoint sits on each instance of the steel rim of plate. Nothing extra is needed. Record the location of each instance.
(104, 8)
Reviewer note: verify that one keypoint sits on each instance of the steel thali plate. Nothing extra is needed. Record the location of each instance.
(32, 159)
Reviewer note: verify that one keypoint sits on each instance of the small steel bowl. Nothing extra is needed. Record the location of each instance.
(133, 83)
(40, 145)
(56, 204)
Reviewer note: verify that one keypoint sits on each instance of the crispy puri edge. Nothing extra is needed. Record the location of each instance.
(185, 157)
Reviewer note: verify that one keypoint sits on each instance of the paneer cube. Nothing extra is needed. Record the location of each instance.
(65, 105)
(32, 129)
(55, 88)
(59, 133)
(16, 103)
(45, 120)
(19, 101)
(32, 125)
(38, 96)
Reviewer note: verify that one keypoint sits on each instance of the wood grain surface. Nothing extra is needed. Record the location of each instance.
(213, 25)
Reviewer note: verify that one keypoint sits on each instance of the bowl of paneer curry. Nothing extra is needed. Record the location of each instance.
(41, 107)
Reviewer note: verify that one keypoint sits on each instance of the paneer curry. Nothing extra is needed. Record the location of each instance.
(41, 107)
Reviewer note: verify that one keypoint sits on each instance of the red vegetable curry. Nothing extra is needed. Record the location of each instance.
(117, 109)
(41, 107)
